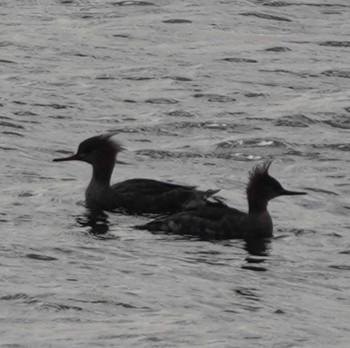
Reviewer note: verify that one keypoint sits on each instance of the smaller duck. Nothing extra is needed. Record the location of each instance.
(134, 196)
(215, 220)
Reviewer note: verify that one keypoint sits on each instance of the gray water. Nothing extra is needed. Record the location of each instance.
(199, 92)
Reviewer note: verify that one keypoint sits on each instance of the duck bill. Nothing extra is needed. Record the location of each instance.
(74, 157)
(291, 193)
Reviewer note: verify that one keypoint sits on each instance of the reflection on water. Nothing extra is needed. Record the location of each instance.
(96, 220)
(258, 247)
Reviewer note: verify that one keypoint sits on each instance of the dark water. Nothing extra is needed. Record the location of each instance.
(199, 91)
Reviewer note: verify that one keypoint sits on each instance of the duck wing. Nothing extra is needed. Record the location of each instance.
(146, 187)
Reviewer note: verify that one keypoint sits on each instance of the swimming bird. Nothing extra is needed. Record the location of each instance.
(215, 220)
(135, 196)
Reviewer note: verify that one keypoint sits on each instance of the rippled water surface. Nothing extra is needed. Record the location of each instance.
(199, 92)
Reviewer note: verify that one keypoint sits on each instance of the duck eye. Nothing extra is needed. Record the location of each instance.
(277, 186)
(273, 184)
(85, 150)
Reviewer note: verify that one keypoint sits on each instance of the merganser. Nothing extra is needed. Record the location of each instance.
(135, 196)
(215, 220)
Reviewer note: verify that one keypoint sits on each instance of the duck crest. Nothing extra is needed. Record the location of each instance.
(102, 143)
(116, 145)
(257, 174)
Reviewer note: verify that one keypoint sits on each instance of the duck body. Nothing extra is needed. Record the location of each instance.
(134, 196)
(144, 196)
(214, 220)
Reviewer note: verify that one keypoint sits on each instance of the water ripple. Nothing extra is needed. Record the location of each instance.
(267, 16)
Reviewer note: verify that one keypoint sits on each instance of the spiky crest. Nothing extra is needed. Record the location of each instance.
(102, 143)
(258, 173)
(116, 145)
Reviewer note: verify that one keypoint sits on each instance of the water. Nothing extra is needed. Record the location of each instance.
(199, 92)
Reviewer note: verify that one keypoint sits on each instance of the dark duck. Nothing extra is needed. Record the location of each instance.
(135, 196)
(215, 220)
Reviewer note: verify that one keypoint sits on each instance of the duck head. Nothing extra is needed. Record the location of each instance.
(262, 187)
(95, 150)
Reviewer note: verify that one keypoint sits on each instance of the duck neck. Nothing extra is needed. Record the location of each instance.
(102, 171)
(256, 205)
(259, 221)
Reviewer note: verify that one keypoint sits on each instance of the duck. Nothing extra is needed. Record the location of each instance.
(132, 196)
(217, 220)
